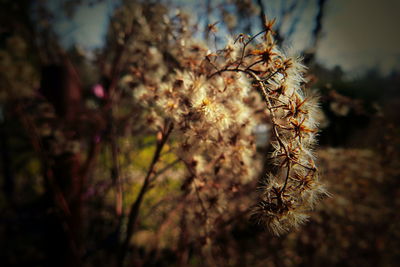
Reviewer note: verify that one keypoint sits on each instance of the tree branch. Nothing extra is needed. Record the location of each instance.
(134, 211)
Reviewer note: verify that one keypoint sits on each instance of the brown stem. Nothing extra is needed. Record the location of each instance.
(54, 188)
(134, 211)
(253, 64)
(246, 44)
(286, 180)
(270, 108)
(115, 170)
(169, 166)
(193, 174)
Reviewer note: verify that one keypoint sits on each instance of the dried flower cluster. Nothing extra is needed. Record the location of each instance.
(212, 104)
(213, 120)
(293, 188)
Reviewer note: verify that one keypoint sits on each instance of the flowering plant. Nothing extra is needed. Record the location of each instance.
(214, 103)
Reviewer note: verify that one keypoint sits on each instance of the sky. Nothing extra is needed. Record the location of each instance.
(357, 34)
(361, 34)
(88, 25)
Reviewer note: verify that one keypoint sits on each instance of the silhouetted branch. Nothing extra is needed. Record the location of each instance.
(134, 210)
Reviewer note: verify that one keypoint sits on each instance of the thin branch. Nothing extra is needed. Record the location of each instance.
(58, 195)
(270, 107)
(115, 169)
(169, 166)
(246, 44)
(193, 174)
(134, 210)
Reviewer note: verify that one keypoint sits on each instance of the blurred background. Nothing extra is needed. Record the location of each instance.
(73, 156)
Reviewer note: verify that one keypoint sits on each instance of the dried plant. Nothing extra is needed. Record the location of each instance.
(208, 102)
(147, 156)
